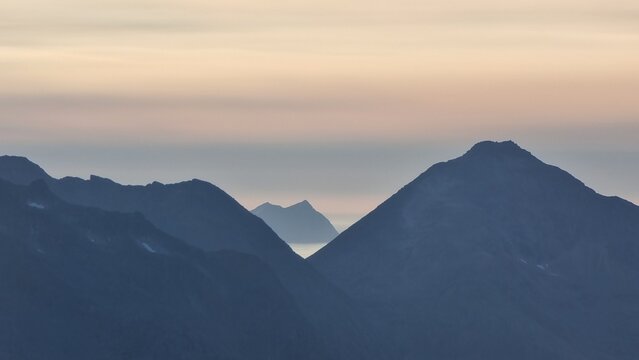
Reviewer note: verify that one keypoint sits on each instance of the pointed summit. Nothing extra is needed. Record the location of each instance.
(264, 207)
(20, 170)
(303, 205)
(467, 257)
(502, 166)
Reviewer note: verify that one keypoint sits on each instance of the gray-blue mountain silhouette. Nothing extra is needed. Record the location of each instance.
(299, 223)
(496, 255)
(19, 170)
(81, 283)
(206, 217)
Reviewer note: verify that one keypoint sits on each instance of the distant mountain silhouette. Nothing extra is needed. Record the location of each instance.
(299, 223)
(496, 255)
(82, 283)
(206, 217)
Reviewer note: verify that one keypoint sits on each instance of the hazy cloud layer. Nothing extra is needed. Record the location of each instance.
(340, 102)
(343, 179)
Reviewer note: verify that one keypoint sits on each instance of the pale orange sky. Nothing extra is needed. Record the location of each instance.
(429, 77)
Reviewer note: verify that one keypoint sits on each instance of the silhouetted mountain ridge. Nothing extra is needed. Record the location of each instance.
(496, 255)
(206, 217)
(81, 283)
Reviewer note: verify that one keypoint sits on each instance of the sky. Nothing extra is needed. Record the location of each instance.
(337, 102)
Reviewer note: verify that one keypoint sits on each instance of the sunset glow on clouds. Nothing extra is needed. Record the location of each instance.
(330, 81)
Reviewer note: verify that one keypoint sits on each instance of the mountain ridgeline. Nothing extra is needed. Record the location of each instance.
(84, 283)
(297, 224)
(496, 255)
(206, 218)
(493, 255)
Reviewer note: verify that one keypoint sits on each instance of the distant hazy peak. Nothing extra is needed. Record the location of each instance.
(20, 170)
(302, 205)
(265, 207)
(298, 223)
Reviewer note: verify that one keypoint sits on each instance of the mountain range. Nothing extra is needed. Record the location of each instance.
(492, 255)
(205, 217)
(84, 283)
(299, 223)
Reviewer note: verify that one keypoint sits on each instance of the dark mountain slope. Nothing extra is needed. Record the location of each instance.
(197, 211)
(206, 217)
(496, 255)
(19, 170)
(82, 283)
(299, 223)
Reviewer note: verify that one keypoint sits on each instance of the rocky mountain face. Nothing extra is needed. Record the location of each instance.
(496, 255)
(83, 283)
(207, 218)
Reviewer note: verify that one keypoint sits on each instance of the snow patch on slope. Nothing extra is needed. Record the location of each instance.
(36, 205)
(148, 248)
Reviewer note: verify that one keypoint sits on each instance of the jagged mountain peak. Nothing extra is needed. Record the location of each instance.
(303, 205)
